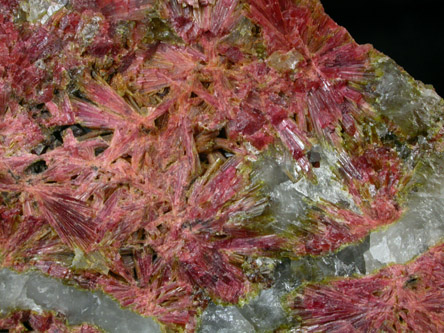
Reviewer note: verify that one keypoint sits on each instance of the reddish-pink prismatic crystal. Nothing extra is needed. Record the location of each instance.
(400, 298)
(131, 134)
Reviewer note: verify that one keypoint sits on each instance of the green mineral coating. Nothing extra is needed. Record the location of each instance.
(159, 31)
(429, 163)
(247, 37)
(94, 261)
(124, 29)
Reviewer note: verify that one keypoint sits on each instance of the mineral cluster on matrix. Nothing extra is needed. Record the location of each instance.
(213, 166)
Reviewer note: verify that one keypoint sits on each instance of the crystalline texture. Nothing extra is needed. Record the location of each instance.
(262, 314)
(421, 226)
(132, 135)
(266, 311)
(35, 292)
(398, 298)
(41, 10)
(13, 295)
(225, 320)
(411, 105)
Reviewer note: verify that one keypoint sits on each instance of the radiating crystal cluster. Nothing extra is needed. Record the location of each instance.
(396, 299)
(222, 166)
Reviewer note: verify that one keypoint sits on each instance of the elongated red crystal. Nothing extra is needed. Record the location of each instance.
(400, 298)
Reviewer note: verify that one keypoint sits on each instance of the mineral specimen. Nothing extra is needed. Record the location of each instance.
(174, 153)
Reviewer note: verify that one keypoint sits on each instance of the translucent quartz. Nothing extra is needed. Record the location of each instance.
(41, 10)
(421, 226)
(34, 291)
(264, 312)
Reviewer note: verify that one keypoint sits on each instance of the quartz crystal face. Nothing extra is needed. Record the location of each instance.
(213, 166)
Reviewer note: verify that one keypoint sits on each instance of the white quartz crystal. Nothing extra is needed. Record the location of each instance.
(410, 104)
(326, 188)
(220, 319)
(13, 293)
(41, 10)
(421, 226)
(291, 194)
(34, 291)
(263, 313)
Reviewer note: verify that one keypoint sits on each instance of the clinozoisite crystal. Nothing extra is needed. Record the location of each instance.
(170, 153)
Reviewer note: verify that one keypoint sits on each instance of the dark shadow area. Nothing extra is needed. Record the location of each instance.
(410, 32)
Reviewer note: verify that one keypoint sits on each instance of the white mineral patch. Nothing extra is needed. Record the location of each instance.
(419, 228)
(265, 312)
(220, 319)
(327, 188)
(344, 263)
(412, 105)
(287, 206)
(290, 199)
(41, 10)
(13, 293)
(89, 31)
(37, 292)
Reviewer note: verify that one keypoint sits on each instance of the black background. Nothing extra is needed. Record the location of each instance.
(410, 32)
